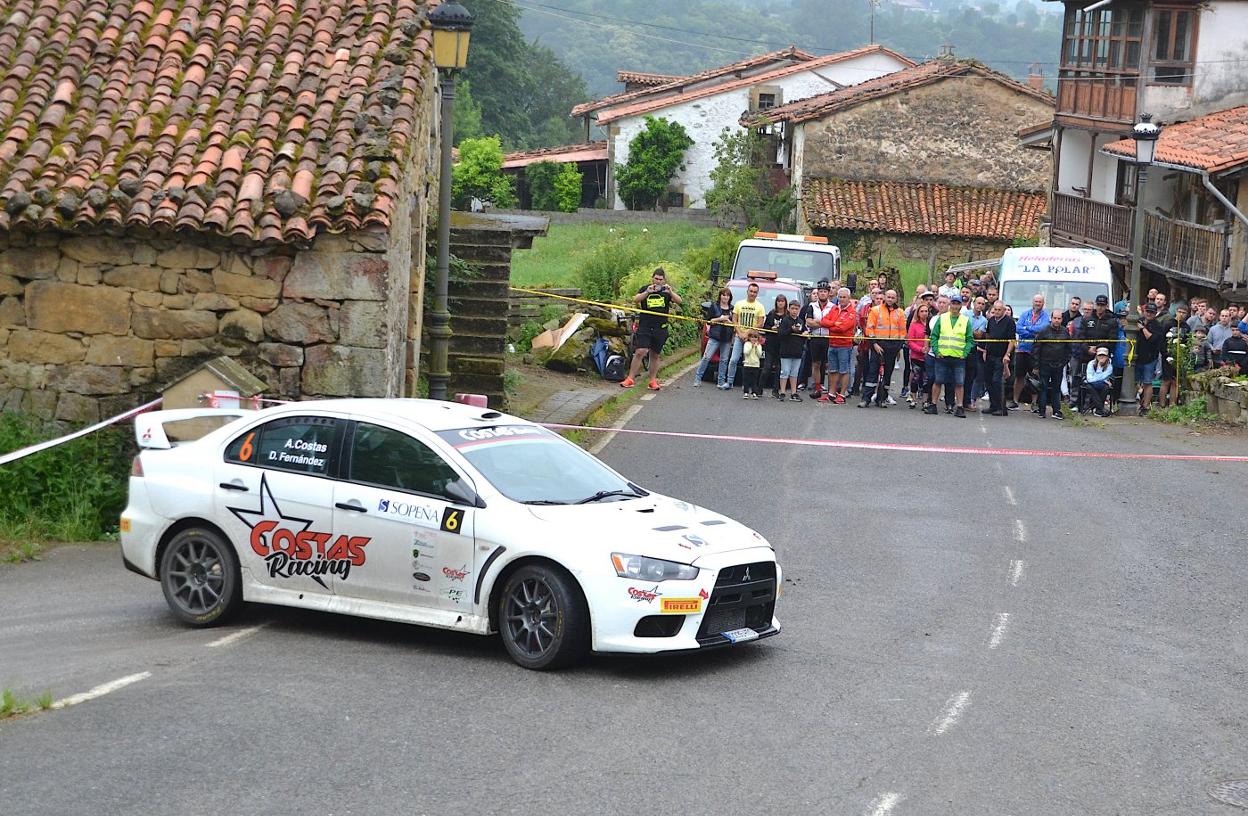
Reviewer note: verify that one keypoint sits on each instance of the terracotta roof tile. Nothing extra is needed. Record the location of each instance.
(646, 78)
(815, 107)
(792, 53)
(1214, 143)
(921, 209)
(589, 151)
(649, 105)
(195, 114)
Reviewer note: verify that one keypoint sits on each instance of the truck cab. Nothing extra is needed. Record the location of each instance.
(803, 260)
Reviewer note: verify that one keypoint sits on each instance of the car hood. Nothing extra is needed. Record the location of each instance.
(656, 526)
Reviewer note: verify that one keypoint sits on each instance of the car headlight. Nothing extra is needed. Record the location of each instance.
(651, 569)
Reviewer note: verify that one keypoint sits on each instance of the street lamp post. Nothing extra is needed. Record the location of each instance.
(452, 26)
(1145, 134)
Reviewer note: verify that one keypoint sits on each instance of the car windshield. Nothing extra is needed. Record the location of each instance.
(535, 466)
(766, 292)
(801, 265)
(1057, 293)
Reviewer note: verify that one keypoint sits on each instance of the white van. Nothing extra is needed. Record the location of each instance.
(1058, 273)
(801, 259)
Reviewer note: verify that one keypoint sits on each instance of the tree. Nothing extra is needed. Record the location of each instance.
(520, 87)
(741, 192)
(554, 186)
(467, 114)
(654, 155)
(479, 174)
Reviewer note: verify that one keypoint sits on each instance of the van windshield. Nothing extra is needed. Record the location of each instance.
(800, 265)
(1057, 293)
(767, 292)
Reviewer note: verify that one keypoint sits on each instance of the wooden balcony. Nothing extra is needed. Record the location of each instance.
(1193, 251)
(1103, 97)
(1092, 223)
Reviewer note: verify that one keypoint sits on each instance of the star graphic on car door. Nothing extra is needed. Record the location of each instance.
(269, 509)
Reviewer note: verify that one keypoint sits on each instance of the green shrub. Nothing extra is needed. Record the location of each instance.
(1193, 412)
(600, 277)
(721, 247)
(654, 155)
(479, 174)
(73, 492)
(554, 186)
(691, 288)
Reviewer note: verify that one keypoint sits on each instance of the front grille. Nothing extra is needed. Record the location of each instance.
(658, 626)
(744, 596)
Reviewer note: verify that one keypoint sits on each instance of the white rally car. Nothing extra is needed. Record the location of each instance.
(439, 514)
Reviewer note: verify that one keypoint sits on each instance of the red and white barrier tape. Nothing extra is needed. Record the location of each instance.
(892, 446)
(21, 453)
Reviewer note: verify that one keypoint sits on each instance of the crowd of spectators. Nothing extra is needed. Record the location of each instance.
(959, 345)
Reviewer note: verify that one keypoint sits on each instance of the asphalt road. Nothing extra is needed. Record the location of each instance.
(963, 634)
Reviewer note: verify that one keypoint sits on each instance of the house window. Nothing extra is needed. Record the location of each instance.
(1103, 40)
(766, 100)
(1128, 174)
(1174, 31)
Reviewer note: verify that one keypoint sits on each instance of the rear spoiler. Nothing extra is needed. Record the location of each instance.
(149, 428)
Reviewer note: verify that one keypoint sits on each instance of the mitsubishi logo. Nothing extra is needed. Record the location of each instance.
(746, 577)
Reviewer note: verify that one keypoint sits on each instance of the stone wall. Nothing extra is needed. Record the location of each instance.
(961, 131)
(90, 325)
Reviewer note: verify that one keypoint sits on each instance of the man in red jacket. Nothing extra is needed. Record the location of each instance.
(841, 323)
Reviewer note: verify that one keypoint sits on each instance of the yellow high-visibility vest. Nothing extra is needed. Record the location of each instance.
(952, 340)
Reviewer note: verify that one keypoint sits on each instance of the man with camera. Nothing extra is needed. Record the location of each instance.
(656, 300)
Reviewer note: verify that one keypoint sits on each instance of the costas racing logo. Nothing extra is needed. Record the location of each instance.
(647, 595)
(455, 574)
(290, 549)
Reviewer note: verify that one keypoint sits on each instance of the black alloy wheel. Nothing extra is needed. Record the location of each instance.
(199, 575)
(543, 618)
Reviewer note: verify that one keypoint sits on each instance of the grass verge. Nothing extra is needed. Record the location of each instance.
(558, 256)
(1193, 413)
(12, 706)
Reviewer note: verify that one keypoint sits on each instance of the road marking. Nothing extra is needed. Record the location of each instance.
(235, 637)
(101, 690)
(998, 631)
(1016, 572)
(1009, 496)
(983, 429)
(953, 712)
(625, 418)
(648, 397)
(1020, 532)
(885, 804)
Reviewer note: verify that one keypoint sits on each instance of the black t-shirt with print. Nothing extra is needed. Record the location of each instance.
(654, 302)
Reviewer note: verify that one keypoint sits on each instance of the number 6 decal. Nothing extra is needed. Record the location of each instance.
(245, 452)
(452, 519)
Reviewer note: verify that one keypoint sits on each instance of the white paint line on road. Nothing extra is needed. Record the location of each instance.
(983, 429)
(998, 631)
(235, 637)
(1020, 531)
(1009, 496)
(1016, 572)
(952, 713)
(648, 397)
(101, 690)
(885, 804)
(633, 410)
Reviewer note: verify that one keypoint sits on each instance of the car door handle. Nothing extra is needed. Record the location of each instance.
(234, 485)
(358, 508)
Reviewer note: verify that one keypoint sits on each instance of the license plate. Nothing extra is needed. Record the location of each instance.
(740, 635)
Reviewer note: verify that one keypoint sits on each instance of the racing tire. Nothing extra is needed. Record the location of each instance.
(543, 619)
(200, 577)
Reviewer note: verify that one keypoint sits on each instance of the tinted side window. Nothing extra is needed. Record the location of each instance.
(388, 458)
(297, 444)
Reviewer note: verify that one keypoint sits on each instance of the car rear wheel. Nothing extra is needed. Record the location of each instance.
(199, 574)
(543, 618)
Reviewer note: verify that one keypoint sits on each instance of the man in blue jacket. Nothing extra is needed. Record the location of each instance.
(1029, 325)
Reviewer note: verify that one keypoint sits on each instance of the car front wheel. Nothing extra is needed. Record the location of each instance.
(543, 618)
(199, 574)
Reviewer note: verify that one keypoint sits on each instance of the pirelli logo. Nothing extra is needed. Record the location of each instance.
(680, 606)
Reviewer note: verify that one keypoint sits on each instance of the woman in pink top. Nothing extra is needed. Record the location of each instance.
(916, 340)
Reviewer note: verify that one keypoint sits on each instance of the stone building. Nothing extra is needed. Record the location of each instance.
(180, 180)
(708, 102)
(924, 160)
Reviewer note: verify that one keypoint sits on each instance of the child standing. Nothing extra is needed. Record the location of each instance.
(752, 360)
(791, 346)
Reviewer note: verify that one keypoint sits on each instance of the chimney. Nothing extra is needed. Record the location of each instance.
(1035, 76)
(946, 51)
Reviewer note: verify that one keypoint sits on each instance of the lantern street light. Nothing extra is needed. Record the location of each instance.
(452, 26)
(1146, 133)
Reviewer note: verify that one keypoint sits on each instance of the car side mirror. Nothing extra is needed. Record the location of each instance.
(459, 492)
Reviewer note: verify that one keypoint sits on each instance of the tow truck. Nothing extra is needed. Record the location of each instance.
(803, 260)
